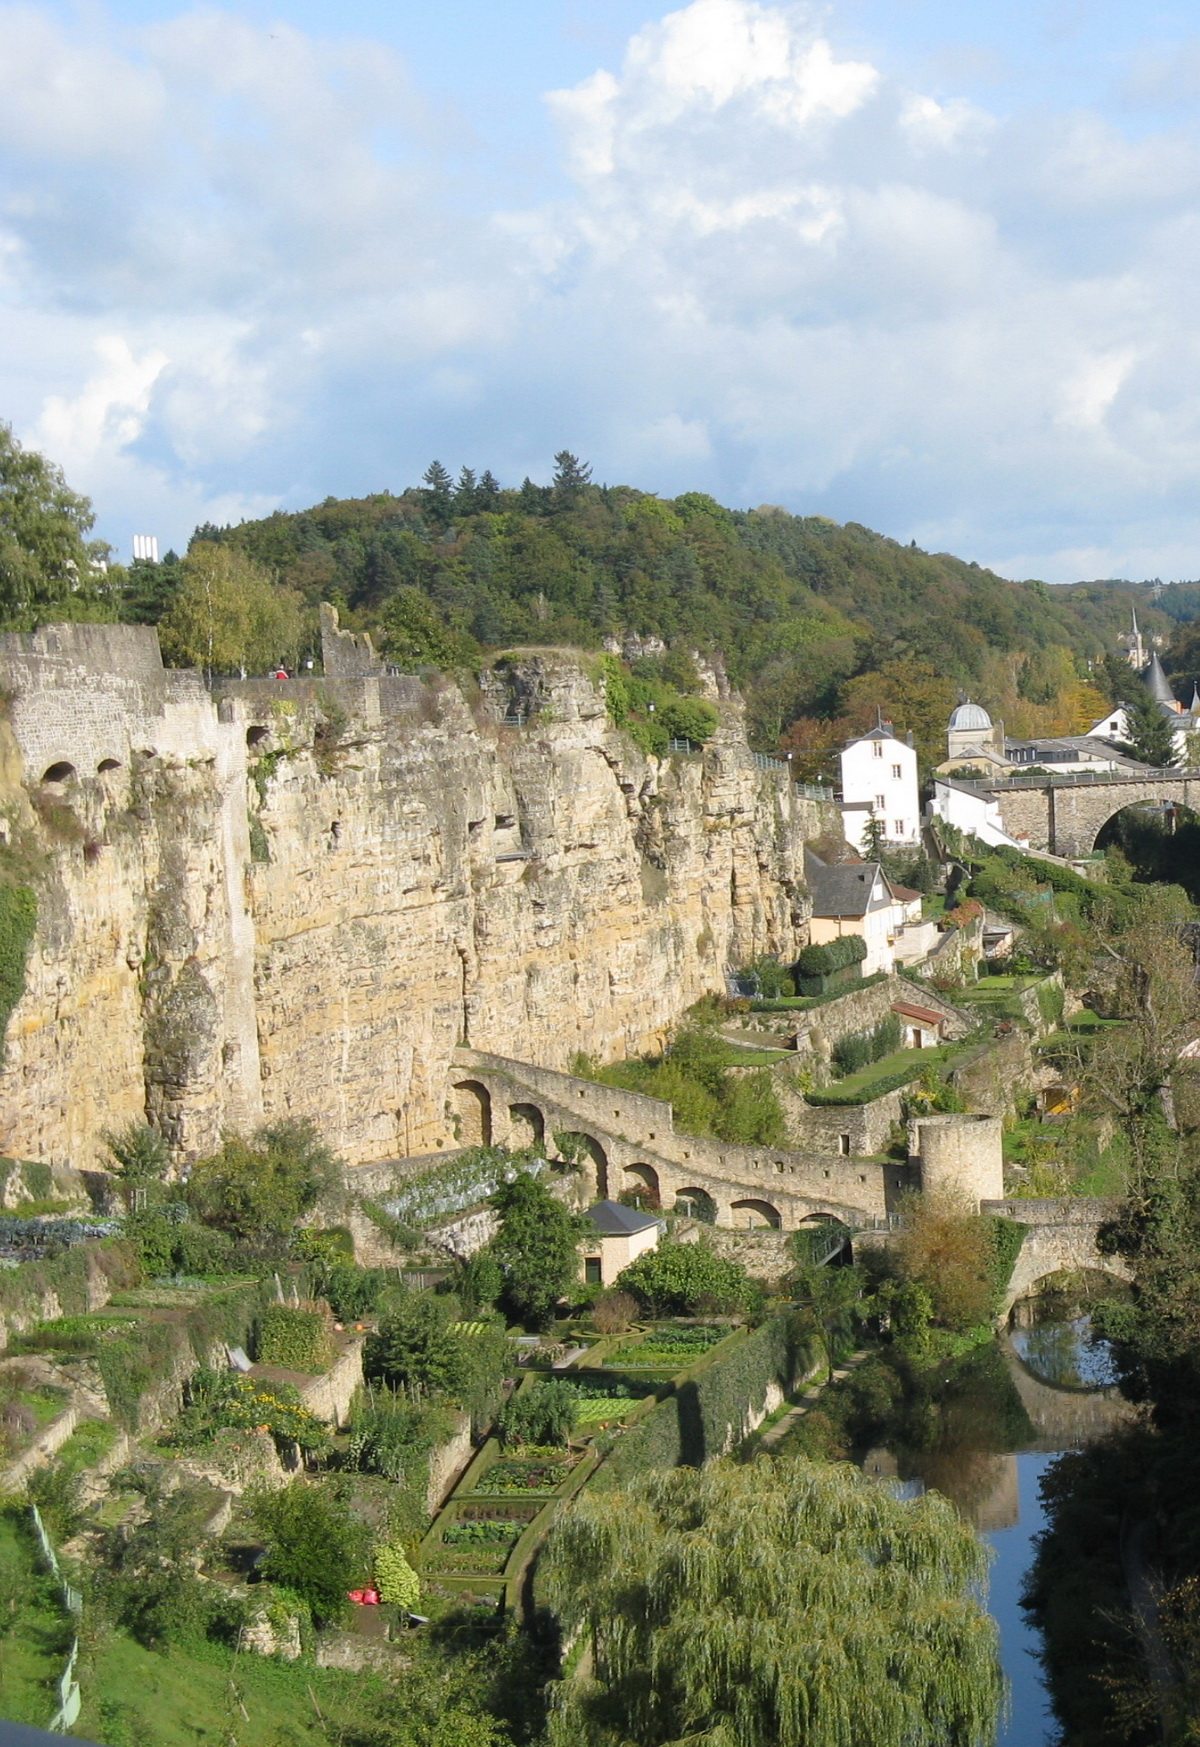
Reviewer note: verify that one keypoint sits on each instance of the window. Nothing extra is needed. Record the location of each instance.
(591, 1271)
(880, 803)
(898, 827)
(877, 750)
(843, 1146)
(897, 772)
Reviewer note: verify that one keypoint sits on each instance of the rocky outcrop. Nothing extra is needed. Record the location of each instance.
(297, 898)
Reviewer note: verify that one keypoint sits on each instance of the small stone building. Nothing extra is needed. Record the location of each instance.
(621, 1235)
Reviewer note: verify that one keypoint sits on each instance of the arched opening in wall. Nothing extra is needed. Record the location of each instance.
(641, 1188)
(1050, 1330)
(696, 1204)
(526, 1125)
(1160, 840)
(822, 1239)
(756, 1216)
(62, 772)
(256, 737)
(583, 1152)
(472, 1113)
(106, 765)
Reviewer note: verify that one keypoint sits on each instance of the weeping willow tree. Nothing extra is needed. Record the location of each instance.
(773, 1605)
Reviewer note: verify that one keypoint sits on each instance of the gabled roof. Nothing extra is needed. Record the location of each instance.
(843, 888)
(614, 1219)
(909, 1010)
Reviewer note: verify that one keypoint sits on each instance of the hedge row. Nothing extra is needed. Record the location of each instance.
(295, 1336)
(875, 1089)
(805, 1003)
(861, 1048)
(835, 955)
(708, 1410)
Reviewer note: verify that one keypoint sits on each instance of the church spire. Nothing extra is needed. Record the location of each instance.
(1158, 685)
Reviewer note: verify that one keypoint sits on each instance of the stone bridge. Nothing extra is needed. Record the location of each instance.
(628, 1142)
(1060, 1237)
(1065, 815)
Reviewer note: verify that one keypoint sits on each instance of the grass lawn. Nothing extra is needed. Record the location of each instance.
(916, 1060)
(36, 1635)
(207, 1697)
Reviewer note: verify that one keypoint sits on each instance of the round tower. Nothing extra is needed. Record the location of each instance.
(960, 1156)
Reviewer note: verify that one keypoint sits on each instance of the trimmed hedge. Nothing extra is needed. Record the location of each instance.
(806, 1003)
(297, 1337)
(835, 955)
(708, 1409)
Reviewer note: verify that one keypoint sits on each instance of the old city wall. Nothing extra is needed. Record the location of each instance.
(298, 898)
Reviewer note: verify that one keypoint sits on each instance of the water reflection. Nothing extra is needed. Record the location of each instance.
(984, 1432)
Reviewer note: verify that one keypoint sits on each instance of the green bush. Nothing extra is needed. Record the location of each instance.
(862, 1048)
(18, 921)
(262, 1186)
(677, 1279)
(315, 1545)
(295, 1337)
(835, 955)
(547, 1414)
(395, 1578)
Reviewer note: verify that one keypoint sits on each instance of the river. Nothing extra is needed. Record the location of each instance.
(983, 1432)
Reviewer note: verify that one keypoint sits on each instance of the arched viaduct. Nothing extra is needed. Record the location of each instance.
(628, 1142)
(1065, 815)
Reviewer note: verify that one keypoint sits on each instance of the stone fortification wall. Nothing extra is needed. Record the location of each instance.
(959, 1156)
(861, 1009)
(298, 899)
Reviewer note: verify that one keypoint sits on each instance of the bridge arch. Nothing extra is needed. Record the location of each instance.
(63, 771)
(756, 1215)
(472, 1107)
(641, 1184)
(696, 1204)
(526, 1125)
(579, 1148)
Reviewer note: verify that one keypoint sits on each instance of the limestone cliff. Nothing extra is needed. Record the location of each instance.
(297, 897)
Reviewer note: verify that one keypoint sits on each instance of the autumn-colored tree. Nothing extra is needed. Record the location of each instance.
(947, 1248)
(913, 695)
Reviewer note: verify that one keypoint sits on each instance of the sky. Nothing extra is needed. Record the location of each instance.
(928, 267)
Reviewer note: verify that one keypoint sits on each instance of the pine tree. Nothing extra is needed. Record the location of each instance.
(466, 492)
(1151, 733)
(571, 475)
(439, 493)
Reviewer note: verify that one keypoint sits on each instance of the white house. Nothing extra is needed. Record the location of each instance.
(970, 811)
(879, 781)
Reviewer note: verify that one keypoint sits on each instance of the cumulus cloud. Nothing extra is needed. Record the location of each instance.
(242, 266)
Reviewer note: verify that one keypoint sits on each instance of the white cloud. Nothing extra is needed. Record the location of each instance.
(239, 266)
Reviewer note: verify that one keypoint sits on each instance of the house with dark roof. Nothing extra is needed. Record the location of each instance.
(619, 1236)
(856, 897)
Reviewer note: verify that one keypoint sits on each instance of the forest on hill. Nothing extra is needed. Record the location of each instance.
(819, 625)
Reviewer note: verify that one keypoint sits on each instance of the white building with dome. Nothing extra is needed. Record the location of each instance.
(972, 738)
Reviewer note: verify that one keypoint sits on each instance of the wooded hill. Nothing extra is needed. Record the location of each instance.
(813, 620)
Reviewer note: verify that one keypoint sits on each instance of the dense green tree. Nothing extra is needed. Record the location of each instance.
(45, 553)
(139, 1158)
(537, 1247)
(570, 478)
(772, 1605)
(676, 1279)
(315, 1545)
(260, 1187)
(415, 634)
(418, 1349)
(227, 614)
(438, 494)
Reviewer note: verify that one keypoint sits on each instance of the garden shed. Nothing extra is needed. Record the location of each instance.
(621, 1235)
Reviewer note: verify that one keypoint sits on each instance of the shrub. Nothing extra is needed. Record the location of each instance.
(296, 1338)
(546, 1414)
(18, 920)
(861, 1048)
(680, 1279)
(262, 1186)
(835, 955)
(315, 1545)
(395, 1578)
(613, 1312)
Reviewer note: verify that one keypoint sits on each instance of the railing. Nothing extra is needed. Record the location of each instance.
(69, 1697)
(514, 719)
(1076, 779)
(813, 791)
(683, 746)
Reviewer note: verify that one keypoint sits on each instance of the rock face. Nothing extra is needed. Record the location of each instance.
(296, 898)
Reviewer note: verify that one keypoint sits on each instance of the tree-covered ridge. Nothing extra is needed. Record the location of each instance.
(798, 606)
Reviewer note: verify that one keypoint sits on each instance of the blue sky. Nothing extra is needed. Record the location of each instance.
(922, 266)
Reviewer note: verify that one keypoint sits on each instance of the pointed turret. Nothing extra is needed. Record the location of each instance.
(1156, 683)
(1195, 705)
